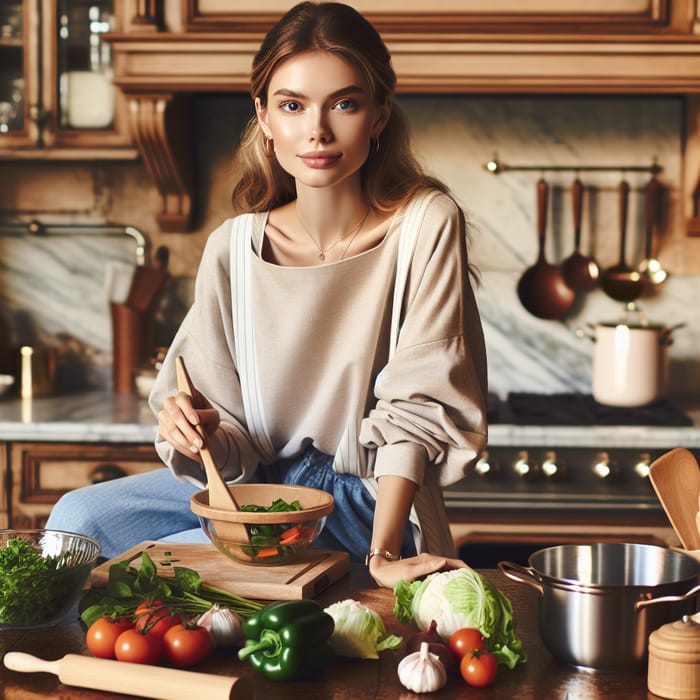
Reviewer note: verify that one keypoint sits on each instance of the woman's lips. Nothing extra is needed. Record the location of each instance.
(320, 160)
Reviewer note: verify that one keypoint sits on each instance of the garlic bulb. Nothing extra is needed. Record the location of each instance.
(224, 626)
(422, 671)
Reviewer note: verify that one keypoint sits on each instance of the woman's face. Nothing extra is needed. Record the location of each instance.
(321, 116)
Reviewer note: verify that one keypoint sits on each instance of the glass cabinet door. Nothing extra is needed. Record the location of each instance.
(84, 65)
(13, 60)
(57, 97)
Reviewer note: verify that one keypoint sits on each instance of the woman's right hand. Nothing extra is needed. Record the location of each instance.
(178, 418)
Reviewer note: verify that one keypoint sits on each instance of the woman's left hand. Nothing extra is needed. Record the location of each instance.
(388, 573)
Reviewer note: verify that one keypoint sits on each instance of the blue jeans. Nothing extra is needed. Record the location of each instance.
(155, 506)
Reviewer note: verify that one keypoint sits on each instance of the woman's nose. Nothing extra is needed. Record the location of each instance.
(319, 129)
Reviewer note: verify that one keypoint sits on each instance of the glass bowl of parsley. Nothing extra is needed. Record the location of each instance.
(275, 523)
(42, 575)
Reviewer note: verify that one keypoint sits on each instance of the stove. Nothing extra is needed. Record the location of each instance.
(562, 468)
(581, 410)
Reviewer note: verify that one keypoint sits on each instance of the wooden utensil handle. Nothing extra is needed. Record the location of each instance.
(542, 203)
(624, 191)
(653, 190)
(577, 191)
(133, 679)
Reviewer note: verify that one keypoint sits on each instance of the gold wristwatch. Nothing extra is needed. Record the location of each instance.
(379, 552)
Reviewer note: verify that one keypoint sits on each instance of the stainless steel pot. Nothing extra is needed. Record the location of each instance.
(599, 602)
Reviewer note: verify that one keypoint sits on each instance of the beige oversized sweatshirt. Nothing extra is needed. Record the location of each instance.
(322, 343)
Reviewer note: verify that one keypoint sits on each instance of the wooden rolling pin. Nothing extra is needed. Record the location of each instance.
(134, 679)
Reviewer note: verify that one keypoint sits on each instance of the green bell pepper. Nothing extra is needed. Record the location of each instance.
(288, 640)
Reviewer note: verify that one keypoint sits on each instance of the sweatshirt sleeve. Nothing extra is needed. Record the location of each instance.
(429, 420)
(205, 340)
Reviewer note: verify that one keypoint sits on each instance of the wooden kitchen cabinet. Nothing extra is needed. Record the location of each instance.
(455, 16)
(39, 473)
(57, 98)
(596, 47)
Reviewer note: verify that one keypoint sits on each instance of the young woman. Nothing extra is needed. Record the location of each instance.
(334, 331)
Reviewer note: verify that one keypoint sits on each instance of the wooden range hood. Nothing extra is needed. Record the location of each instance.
(657, 52)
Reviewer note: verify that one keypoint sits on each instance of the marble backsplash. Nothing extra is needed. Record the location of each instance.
(53, 292)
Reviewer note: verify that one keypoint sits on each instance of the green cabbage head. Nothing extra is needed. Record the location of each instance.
(461, 598)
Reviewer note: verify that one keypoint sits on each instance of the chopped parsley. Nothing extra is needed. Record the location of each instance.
(34, 588)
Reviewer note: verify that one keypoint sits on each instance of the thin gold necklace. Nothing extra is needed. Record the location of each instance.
(322, 253)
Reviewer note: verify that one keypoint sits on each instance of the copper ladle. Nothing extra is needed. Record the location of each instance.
(620, 281)
(541, 288)
(580, 272)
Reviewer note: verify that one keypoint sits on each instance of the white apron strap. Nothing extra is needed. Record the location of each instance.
(428, 514)
(244, 333)
(413, 219)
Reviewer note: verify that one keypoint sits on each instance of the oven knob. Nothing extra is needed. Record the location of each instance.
(641, 468)
(552, 467)
(524, 467)
(486, 467)
(604, 467)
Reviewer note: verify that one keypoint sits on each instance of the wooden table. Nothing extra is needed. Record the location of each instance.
(541, 677)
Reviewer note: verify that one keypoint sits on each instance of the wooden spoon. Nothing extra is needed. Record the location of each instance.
(541, 288)
(675, 477)
(580, 272)
(619, 281)
(220, 495)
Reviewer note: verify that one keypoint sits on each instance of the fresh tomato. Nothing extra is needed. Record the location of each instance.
(138, 647)
(155, 618)
(465, 640)
(102, 636)
(478, 668)
(187, 644)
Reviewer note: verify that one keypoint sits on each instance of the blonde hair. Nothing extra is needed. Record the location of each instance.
(391, 174)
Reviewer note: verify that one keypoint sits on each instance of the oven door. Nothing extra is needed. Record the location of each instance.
(515, 502)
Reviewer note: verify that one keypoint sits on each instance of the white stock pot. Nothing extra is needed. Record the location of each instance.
(630, 363)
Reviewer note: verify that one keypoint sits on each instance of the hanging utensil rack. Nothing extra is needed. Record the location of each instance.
(496, 167)
(38, 229)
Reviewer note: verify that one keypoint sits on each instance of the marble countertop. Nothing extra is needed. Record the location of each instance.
(103, 416)
(98, 416)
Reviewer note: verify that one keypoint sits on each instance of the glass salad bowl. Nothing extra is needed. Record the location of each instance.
(275, 523)
(42, 575)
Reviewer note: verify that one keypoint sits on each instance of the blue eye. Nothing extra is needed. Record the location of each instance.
(346, 105)
(290, 106)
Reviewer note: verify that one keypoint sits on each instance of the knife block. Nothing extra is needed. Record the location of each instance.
(131, 340)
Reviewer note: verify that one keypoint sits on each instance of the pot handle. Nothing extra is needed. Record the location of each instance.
(665, 335)
(521, 574)
(588, 332)
(667, 599)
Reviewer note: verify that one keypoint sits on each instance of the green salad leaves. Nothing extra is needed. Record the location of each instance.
(461, 598)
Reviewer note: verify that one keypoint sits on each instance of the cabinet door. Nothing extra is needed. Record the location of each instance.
(57, 98)
(19, 73)
(82, 106)
(4, 476)
(42, 472)
(453, 16)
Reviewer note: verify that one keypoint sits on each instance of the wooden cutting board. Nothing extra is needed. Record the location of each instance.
(311, 574)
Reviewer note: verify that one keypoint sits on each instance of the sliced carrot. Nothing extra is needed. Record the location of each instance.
(293, 534)
(267, 552)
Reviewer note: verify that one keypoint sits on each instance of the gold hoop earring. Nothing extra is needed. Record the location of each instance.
(269, 147)
(375, 145)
